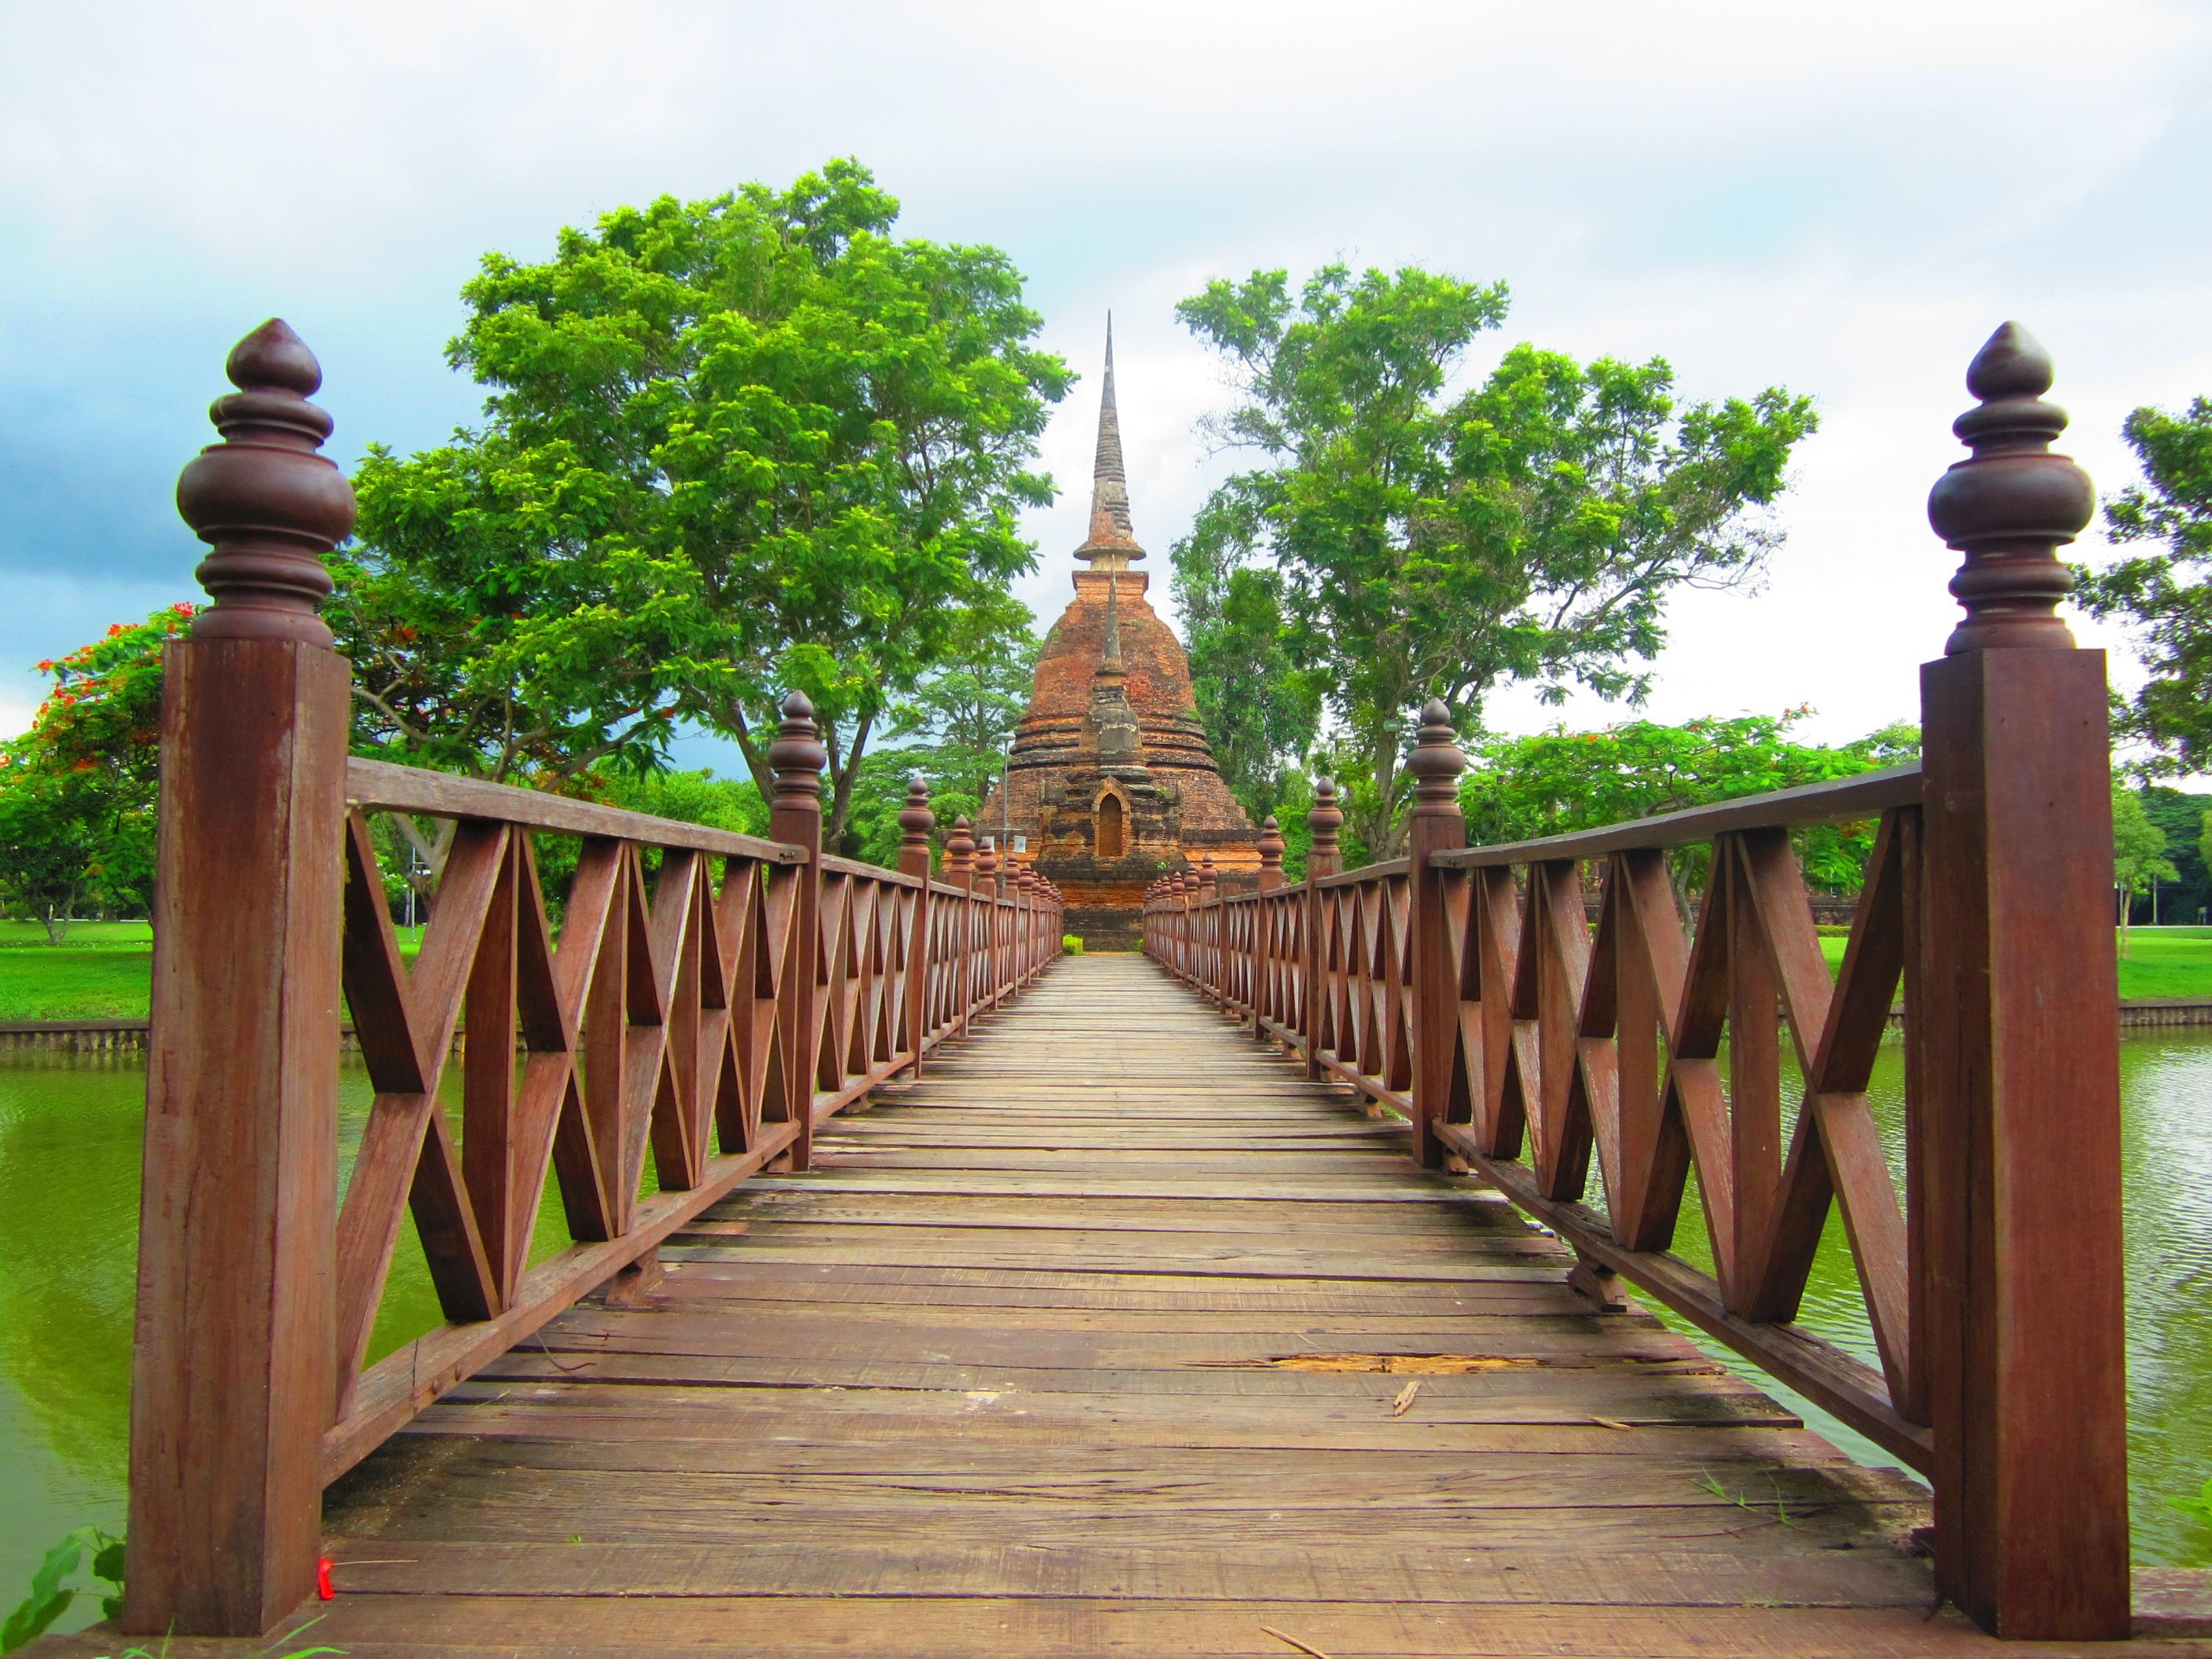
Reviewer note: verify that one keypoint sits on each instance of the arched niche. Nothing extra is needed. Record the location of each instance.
(1109, 825)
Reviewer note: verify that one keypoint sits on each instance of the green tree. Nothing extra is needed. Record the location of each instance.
(1531, 529)
(958, 722)
(2163, 594)
(1262, 711)
(734, 447)
(2204, 841)
(2181, 816)
(77, 790)
(731, 804)
(1548, 783)
(2138, 853)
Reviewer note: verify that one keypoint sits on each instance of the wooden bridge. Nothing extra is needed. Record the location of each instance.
(929, 1293)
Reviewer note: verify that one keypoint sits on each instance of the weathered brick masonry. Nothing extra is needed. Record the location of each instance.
(1111, 782)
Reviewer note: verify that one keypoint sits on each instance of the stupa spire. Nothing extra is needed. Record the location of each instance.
(1111, 543)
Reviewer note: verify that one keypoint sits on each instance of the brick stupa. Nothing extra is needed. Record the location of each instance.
(1111, 784)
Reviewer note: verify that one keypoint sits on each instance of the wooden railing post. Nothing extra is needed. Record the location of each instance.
(960, 871)
(1209, 927)
(2018, 1211)
(1435, 825)
(1268, 980)
(916, 821)
(796, 758)
(233, 1373)
(1186, 928)
(1323, 820)
(987, 882)
(1270, 855)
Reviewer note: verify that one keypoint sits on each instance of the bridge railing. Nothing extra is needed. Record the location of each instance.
(700, 996)
(1464, 988)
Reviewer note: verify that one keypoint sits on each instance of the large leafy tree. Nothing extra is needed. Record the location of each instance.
(1548, 783)
(1261, 708)
(77, 790)
(958, 721)
(2139, 854)
(2163, 592)
(1532, 528)
(733, 447)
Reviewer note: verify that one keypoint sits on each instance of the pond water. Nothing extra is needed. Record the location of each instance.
(2166, 1143)
(68, 1197)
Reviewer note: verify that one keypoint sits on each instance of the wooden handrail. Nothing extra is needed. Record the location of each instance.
(708, 1011)
(381, 787)
(833, 864)
(1463, 988)
(1836, 800)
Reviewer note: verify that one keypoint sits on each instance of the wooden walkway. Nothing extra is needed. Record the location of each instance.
(1114, 1335)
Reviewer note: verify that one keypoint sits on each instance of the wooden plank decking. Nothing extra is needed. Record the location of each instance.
(1093, 1342)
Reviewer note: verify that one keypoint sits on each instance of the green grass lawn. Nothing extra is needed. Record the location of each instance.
(103, 970)
(2159, 961)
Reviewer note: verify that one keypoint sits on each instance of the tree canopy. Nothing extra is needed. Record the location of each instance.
(1552, 782)
(1261, 707)
(2163, 593)
(77, 790)
(734, 447)
(2139, 853)
(1433, 544)
(958, 721)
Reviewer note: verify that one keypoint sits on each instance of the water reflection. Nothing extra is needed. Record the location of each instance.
(2166, 1128)
(69, 1144)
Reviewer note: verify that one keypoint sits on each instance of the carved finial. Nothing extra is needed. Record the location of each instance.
(959, 851)
(1270, 855)
(1435, 762)
(1208, 878)
(264, 500)
(987, 861)
(2012, 504)
(797, 756)
(1324, 818)
(917, 819)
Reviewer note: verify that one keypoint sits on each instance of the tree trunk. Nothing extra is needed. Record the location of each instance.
(1381, 838)
(843, 770)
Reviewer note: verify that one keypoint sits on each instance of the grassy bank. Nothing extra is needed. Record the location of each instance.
(103, 971)
(2159, 961)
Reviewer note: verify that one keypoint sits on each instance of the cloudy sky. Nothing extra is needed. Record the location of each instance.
(1841, 200)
